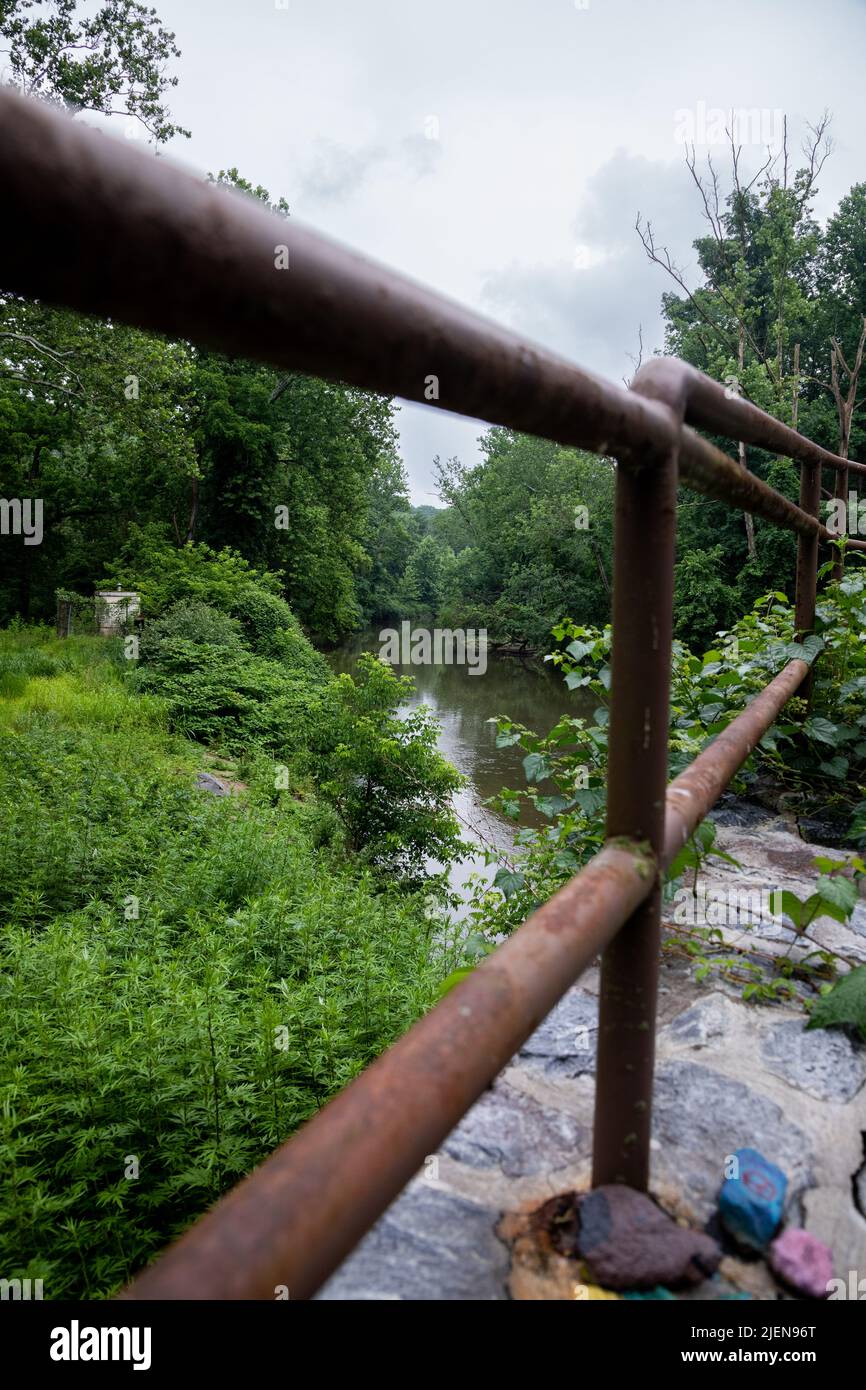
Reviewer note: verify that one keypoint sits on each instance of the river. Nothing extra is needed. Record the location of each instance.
(529, 692)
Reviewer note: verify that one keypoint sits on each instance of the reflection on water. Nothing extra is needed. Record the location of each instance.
(529, 693)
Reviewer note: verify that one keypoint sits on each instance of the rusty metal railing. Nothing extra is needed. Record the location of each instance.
(98, 226)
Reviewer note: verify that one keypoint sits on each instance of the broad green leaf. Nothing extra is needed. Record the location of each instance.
(578, 650)
(834, 767)
(455, 978)
(686, 859)
(783, 901)
(507, 740)
(845, 1004)
(840, 891)
(508, 881)
(536, 767)
(821, 729)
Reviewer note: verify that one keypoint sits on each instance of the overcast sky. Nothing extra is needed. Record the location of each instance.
(499, 150)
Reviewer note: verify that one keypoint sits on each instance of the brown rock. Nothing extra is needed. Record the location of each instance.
(630, 1243)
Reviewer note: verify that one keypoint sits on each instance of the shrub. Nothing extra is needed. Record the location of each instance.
(229, 698)
(191, 621)
(382, 772)
(184, 979)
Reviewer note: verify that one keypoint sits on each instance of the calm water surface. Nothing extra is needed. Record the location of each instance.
(530, 693)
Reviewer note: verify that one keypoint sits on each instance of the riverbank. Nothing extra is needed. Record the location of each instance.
(465, 707)
(729, 1075)
(186, 978)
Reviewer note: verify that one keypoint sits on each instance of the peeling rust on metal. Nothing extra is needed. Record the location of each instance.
(296, 1217)
(147, 244)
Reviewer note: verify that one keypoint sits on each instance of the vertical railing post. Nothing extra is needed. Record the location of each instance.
(840, 494)
(644, 542)
(807, 562)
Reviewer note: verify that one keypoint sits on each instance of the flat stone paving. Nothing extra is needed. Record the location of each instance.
(729, 1075)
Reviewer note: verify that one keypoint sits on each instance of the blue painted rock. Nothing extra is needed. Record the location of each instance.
(804, 1262)
(630, 1243)
(657, 1292)
(751, 1204)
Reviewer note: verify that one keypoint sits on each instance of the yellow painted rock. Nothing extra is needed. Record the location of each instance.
(593, 1292)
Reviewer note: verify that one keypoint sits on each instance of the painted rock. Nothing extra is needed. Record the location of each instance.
(657, 1292)
(630, 1243)
(593, 1293)
(803, 1262)
(751, 1204)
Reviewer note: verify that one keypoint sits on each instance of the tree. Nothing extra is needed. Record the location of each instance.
(381, 769)
(112, 62)
(530, 527)
(776, 319)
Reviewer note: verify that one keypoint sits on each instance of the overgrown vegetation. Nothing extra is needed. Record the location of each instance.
(813, 756)
(184, 978)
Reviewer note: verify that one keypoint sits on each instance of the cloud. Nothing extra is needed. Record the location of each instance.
(336, 172)
(591, 308)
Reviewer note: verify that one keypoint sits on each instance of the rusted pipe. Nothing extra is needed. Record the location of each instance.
(150, 245)
(706, 469)
(706, 404)
(697, 789)
(146, 243)
(293, 1220)
(644, 541)
(807, 562)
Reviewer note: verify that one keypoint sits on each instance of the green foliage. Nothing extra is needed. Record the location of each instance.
(530, 530)
(191, 621)
(113, 60)
(844, 1005)
(229, 698)
(227, 657)
(262, 971)
(565, 770)
(381, 770)
(703, 602)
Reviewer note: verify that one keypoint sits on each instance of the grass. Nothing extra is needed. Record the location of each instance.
(184, 979)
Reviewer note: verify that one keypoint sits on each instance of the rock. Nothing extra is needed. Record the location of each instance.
(803, 1262)
(630, 1243)
(826, 829)
(748, 1278)
(206, 783)
(701, 1115)
(512, 1132)
(860, 1185)
(429, 1246)
(565, 1043)
(826, 1065)
(751, 1204)
(657, 1293)
(737, 811)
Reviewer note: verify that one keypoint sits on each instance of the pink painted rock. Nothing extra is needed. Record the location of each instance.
(803, 1261)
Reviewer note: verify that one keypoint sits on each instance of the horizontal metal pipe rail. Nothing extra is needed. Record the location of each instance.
(298, 1215)
(98, 226)
(294, 1219)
